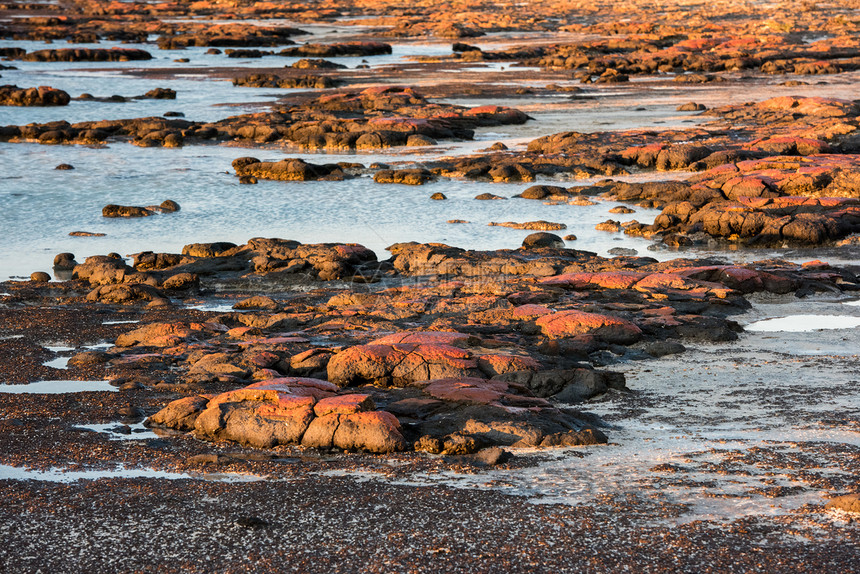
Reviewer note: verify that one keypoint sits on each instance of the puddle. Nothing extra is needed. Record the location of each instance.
(121, 322)
(8, 472)
(120, 431)
(217, 308)
(58, 363)
(58, 348)
(58, 387)
(803, 323)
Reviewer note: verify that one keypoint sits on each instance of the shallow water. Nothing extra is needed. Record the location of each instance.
(804, 323)
(216, 208)
(58, 387)
(40, 206)
(8, 472)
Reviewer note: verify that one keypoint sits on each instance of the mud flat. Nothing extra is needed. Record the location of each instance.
(368, 288)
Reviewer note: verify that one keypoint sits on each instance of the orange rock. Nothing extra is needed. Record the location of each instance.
(606, 327)
(344, 405)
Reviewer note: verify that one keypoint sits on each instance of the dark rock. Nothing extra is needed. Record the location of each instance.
(537, 240)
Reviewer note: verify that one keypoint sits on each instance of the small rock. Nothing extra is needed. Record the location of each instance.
(64, 166)
(65, 261)
(847, 503)
(488, 196)
(438, 196)
(169, 206)
(491, 456)
(40, 277)
(543, 240)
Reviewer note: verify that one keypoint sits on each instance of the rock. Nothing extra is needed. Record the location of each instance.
(539, 225)
(609, 225)
(64, 167)
(400, 364)
(41, 96)
(542, 191)
(287, 410)
(215, 249)
(157, 335)
(169, 206)
(287, 170)
(88, 358)
(573, 322)
(438, 196)
(663, 348)
(87, 55)
(65, 261)
(538, 240)
(257, 302)
(691, 107)
(488, 196)
(846, 503)
(415, 140)
(125, 211)
(40, 277)
(181, 414)
(403, 176)
(316, 64)
(491, 456)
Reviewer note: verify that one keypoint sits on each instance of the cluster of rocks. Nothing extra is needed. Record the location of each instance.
(278, 81)
(85, 55)
(438, 349)
(229, 35)
(376, 117)
(41, 96)
(338, 49)
(113, 210)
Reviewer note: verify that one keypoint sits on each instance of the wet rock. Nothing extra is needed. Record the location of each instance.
(416, 140)
(39, 277)
(64, 167)
(438, 196)
(287, 170)
(539, 240)
(87, 55)
(41, 96)
(215, 249)
(488, 196)
(542, 191)
(113, 210)
(403, 176)
(65, 261)
(339, 49)
(316, 64)
(491, 456)
(532, 225)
